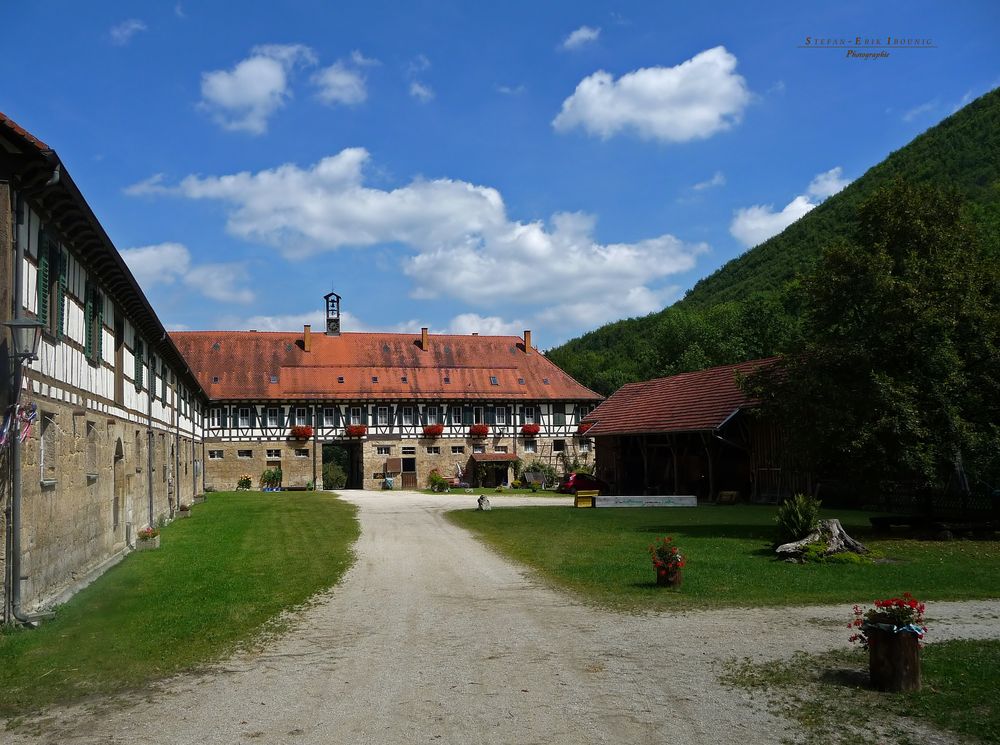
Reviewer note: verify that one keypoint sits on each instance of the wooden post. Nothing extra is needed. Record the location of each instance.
(677, 477)
(707, 442)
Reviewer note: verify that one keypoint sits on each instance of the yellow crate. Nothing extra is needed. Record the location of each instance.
(585, 498)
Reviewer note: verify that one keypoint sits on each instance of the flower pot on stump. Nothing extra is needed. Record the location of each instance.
(669, 579)
(893, 657)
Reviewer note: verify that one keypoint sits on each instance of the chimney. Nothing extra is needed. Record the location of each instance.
(527, 341)
(307, 337)
(424, 340)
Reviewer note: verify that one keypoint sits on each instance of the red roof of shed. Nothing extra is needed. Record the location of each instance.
(689, 402)
(245, 361)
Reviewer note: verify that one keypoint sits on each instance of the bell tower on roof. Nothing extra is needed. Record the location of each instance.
(332, 314)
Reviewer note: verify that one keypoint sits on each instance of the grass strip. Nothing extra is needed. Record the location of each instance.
(829, 695)
(218, 579)
(601, 554)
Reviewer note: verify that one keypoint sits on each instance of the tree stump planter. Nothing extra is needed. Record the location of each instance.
(670, 579)
(893, 657)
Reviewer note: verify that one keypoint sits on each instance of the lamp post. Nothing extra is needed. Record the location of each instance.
(25, 335)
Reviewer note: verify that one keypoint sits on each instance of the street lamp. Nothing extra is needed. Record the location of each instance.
(25, 333)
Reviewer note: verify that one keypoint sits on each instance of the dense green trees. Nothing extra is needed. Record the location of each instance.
(895, 376)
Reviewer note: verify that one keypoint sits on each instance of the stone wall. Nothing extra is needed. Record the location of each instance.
(84, 502)
(221, 474)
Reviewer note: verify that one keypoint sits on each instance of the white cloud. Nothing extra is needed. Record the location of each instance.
(417, 65)
(457, 234)
(469, 323)
(122, 33)
(511, 90)
(920, 110)
(752, 226)
(421, 91)
(581, 37)
(361, 61)
(242, 99)
(170, 264)
(693, 100)
(828, 183)
(339, 84)
(315, 318)
(148, 186)
(718, 179)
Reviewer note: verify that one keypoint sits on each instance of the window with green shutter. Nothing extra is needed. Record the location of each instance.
(43, 279)
(138, 364)
(93, 336)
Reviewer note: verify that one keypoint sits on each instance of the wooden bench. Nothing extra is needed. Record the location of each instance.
(534, 479)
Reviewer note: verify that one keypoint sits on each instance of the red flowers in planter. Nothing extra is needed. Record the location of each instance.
(530, 429)
(479, 430)
(433, 430)
(356, 430)
(302, 432)
(583, 427)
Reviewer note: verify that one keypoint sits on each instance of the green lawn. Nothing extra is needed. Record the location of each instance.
(216, 581)
(602, 555)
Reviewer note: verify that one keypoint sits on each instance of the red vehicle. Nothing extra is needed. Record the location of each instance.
(575, 482)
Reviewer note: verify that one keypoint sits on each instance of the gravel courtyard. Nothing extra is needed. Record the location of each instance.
(433, 638)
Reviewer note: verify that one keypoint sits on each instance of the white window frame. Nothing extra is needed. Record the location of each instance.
(434, 450)
(300, 416)
(478, 448)
(407, 416)
(383, 450)
(244, 417)
(433, 415)
(501, 415)
(500, 449)
(479, 415)
(272, 416)
(458, 449)
(214, 418)
(215, 455)
(329, 416)
(301, 452)
(456, 416)
(531, 446)
(355, 415)
(409, 450)
(382, 416)
(584, 446)
(240, 454)
(529, 415)
(274, 453)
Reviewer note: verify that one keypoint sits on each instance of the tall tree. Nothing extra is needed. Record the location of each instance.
(896, 375)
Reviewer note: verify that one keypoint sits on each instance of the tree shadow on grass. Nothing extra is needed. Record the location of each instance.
(845, 677)
(741, 532)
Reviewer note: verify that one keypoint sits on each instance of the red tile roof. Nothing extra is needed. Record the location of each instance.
(690, 402)
(244, 362)
(7, 123)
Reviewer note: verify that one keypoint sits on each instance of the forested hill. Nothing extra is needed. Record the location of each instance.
(740, 312)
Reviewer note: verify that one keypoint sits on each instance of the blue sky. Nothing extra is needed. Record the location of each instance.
(483, 167)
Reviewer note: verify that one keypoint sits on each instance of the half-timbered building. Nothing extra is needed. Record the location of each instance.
(102, 431)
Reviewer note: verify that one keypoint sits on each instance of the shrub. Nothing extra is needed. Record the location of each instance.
(334, 477)
(797, 517)
(549, 472)
(436, 482)
(515, 484)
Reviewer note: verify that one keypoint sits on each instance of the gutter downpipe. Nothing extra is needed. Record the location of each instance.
(30, 619)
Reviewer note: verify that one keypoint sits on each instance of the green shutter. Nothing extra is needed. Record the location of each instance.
(88, 323)
(99, 302)
(138, 364)
(43, 279)
(467, 415)
(63, 267)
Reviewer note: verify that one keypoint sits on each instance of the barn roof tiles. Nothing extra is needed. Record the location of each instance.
(690, 402)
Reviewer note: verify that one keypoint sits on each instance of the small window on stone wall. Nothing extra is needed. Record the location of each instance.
(49, 453)
(558, 446)
(302, 452)
(215, 455)
(457, 449)
(478, 448)
(409, 450)
(92, 450)
(273, 453)
(383, 449)
(434, 450)
(244, 453)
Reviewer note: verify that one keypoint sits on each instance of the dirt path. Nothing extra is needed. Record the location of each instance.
(433, 638)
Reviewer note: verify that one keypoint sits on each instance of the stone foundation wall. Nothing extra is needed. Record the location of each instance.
(221, 474)
(85, 501)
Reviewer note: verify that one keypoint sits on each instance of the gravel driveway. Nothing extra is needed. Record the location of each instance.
(433, 638)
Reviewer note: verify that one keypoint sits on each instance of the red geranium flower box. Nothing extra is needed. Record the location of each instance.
(530, 429)
(479, 430)
(433, 430)
(301, 432)
(583, 427)
(356, 430)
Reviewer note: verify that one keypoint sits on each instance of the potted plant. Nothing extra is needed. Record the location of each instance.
(356, 430)
(479, 430)
(302, 432)
(433, 430)
(530, 429)
(244, 482)
(891, 632)
(668, 562)
(149, 538)
(184, 510)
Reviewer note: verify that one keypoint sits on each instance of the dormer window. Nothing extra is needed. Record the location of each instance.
(374, 378)
(520, 381)
(545, 381)
(340, 378)
(493, 380)
(274, 378)
(403, 379)
(447, 380)
(215, 378)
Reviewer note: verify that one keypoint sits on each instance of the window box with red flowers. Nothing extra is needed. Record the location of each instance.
(530, 429)
(356, 430)
(301, 432)
(479, 430)
(583, 427)
(433, 430)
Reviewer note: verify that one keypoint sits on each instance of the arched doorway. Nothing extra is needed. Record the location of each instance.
(119, 485)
